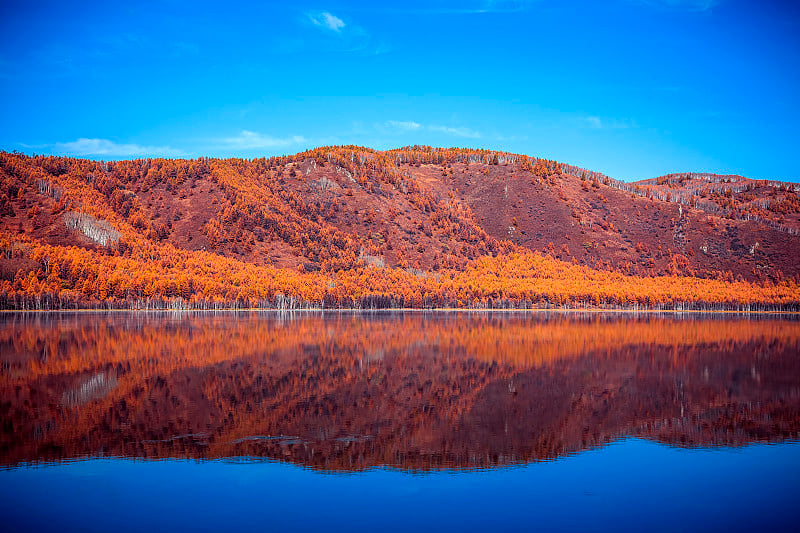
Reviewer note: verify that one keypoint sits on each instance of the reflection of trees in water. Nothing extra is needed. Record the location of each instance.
(411, 391)
(94, 388)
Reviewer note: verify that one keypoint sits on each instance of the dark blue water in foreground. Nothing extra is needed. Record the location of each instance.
(398, 422)
(629, 485)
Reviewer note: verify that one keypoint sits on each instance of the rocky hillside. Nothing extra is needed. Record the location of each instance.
(420, 207)
(77, 232)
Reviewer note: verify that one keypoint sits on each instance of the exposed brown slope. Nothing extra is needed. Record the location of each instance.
(337, 207)
(292, 212)
(598, 224)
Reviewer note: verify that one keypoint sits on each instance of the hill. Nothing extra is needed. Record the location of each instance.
(178, 229)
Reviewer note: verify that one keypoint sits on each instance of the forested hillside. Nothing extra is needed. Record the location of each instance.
(418, 226)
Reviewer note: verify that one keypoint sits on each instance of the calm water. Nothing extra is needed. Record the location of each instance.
(432, 421)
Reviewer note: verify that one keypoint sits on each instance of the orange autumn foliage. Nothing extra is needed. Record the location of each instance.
(77, 233)
(159, 275)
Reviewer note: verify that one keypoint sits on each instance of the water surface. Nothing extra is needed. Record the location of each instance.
(568, 421)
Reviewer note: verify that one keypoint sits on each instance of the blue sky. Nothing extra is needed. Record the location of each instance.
(631, 88)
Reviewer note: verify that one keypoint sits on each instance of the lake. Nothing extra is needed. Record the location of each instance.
(574, 421)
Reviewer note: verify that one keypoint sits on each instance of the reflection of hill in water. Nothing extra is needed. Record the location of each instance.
(409, 391)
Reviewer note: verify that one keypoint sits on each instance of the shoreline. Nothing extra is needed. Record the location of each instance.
(438, 310)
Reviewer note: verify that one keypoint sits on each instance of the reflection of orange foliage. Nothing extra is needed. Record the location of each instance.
(349, 391)
(198, 341)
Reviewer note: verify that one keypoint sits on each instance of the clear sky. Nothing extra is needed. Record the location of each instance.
(631, 88)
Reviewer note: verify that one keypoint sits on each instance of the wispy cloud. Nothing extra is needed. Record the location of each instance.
(598, 123)
(594, 122)
(501, 6)
(407, 126)
(467, 7)
(510, 138)
(681, 5)
(327, 20)
(458, 132)
(250, 140)
(404, 125)
(106, 147)
(338, 36)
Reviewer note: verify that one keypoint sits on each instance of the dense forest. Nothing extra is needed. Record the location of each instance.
(350, 227)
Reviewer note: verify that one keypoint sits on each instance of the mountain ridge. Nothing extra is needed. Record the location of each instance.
(419, 209)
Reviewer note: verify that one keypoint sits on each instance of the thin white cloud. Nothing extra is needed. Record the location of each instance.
(681, 5)
(249, 140)
(327, 20)
(467, 7)
(458, 132)
(381, 48)
(510, 138)
(403, 125)
(106, 147)
(409, 126)
(594, 122)
(338, 36)
(598, 123)
(503, 6)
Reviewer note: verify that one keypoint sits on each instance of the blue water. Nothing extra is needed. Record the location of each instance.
(630, 485)
(311, 423)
